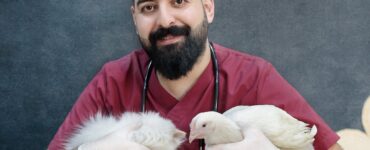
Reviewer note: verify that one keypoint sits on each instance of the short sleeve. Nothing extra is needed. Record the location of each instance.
(274, 89)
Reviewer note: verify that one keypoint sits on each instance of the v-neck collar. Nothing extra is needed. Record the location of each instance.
(161, 99)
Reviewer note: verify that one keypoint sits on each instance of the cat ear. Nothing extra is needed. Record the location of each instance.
(179, 135)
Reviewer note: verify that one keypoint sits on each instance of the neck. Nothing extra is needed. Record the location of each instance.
(186, 82)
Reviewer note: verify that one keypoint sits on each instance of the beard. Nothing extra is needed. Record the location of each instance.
(176, 60)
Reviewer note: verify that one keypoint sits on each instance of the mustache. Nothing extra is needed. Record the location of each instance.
(163, 32)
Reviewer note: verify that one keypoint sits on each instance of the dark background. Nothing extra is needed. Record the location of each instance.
(51, 49)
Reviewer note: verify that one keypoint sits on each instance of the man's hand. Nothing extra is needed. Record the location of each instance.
(253, 139)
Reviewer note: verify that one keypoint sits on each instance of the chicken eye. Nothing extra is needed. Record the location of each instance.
(204, 125)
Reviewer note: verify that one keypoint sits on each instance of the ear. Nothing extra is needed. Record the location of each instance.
(133, 14)
(180, 135)
(209, 9)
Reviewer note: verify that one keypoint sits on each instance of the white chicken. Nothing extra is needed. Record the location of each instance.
(148, 129)
(279, 127)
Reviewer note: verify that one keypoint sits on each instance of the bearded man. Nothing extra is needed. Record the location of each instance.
(174, 38)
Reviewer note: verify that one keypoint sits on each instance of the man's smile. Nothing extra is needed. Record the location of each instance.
(169, 39)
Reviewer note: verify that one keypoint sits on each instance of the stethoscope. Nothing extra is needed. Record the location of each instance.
(215, 93)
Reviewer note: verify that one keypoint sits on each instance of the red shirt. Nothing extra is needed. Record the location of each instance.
(244, 80)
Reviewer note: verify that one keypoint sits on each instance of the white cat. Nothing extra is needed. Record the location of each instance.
(148, 129)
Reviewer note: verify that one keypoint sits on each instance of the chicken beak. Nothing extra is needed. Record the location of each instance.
(195, 134)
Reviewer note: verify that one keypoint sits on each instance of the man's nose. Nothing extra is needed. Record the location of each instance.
(166, 18)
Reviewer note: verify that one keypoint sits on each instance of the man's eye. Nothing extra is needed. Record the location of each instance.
(179, 3)
(148, 8)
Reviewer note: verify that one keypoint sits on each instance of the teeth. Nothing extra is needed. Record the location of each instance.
(167, 37)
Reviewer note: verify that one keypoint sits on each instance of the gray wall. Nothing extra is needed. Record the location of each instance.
(50, 50)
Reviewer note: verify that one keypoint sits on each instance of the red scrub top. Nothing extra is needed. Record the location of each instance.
(244, 80)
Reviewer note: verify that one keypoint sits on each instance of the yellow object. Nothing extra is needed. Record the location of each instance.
(353, 139)
(366, 117)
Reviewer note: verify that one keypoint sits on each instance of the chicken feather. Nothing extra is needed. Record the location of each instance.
(148, 129)
(279, 127)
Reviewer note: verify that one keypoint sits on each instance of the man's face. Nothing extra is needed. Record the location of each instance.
(173, 32)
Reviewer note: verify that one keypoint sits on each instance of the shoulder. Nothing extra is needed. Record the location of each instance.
(241, 75)
(236, 61)
(132, 63)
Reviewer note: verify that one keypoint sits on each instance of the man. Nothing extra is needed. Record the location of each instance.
(173, 34)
